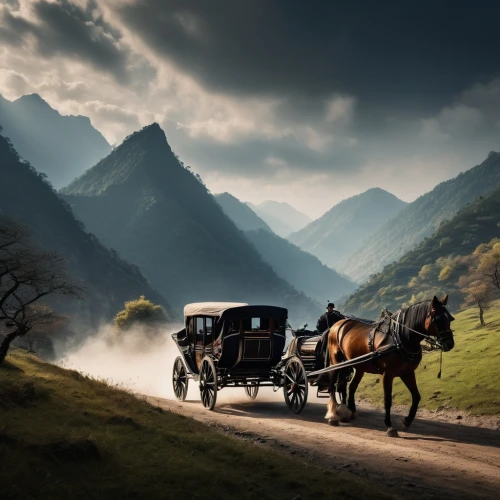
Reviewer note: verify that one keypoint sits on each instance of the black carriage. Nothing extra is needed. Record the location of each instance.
(237, 345)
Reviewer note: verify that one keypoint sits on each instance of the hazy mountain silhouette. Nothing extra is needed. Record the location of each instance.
(281, 217)
(142, 201)
(340, 231)
(109, 280)
(240, 213)
(420, 219)
(301, 269)
(433, 267)
(62, 147)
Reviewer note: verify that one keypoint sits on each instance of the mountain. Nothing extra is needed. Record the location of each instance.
(240, 213)
(420, 219)
(110, 281)
(435, 265)
(301, 269)
(62, 147)
(141, 201)
(340, 231)
(282, 218)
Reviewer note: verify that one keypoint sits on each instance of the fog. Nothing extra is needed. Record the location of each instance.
(141, 361)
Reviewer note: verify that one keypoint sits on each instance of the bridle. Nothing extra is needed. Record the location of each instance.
(433, 340)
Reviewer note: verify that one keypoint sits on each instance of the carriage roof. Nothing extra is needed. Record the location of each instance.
(209, 308)
(240, 309)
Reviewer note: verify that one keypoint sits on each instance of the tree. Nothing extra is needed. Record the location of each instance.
(140, 312)
(477, 292)
(27, 275)
(489, 262)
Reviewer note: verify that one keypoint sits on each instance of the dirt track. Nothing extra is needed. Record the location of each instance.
(442, 456)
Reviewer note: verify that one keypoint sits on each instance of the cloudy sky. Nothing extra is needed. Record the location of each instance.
(302, 101)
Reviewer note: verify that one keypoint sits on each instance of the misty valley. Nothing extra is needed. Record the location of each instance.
(215, 220)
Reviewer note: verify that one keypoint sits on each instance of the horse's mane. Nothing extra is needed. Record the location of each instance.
(415, 314)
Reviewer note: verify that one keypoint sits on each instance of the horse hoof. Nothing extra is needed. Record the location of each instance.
(344, 413)
(345, 420)
(392, 433)
(353, 415)
(333, 422)
(405, 427)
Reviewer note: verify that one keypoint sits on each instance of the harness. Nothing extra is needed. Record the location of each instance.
(394, 326)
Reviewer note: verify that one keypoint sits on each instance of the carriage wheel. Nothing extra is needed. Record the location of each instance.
(179, 379)
(208, 383)
(252, 390)
(295, 385)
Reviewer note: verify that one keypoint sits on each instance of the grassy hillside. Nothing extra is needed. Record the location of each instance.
(470, 371)
(342, 229)
(433, 267)
(63, 435)
(420, 219)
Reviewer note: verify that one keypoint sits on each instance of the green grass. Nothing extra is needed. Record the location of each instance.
(64, 435)
(471, 371)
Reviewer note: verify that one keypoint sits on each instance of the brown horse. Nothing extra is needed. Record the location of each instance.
(402, 336)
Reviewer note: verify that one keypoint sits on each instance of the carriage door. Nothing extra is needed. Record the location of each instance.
(209, 337)
(199, 339)
(204, 338)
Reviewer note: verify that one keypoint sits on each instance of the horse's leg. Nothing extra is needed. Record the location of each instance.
(353, 386)
(342, 410)
(411, 383)
(387, 382)
(331, 414)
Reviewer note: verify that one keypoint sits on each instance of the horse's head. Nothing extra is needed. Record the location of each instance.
(438, 323)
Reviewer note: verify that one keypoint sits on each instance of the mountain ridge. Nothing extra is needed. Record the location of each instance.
(140, 200)
(434, 266)
(281, 217)
(420, 218)
(299, 268)
(61, 146)
(30, 200)
(341, 229)
(240, 213)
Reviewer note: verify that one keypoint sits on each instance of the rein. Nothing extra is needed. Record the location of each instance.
(427, 338)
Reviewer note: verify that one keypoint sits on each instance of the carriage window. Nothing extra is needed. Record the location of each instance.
(258, 324)
(209, 326)
(199, 327)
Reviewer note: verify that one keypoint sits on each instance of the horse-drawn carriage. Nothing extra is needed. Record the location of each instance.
(239, 345)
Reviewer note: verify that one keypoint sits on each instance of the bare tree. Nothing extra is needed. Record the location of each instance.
(477, 292)
(27, 275)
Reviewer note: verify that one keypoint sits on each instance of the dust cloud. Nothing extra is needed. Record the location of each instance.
(139, 360)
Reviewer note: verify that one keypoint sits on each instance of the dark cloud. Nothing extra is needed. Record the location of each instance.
(64, 28)
(257, 157)
(408, 56)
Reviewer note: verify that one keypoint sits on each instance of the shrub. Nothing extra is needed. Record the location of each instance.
(445, 273)
(140, 312)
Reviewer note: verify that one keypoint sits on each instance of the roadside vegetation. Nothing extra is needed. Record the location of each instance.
(470, 371)
(65, 435)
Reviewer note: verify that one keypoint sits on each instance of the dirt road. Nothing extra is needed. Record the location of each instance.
(442, 456)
